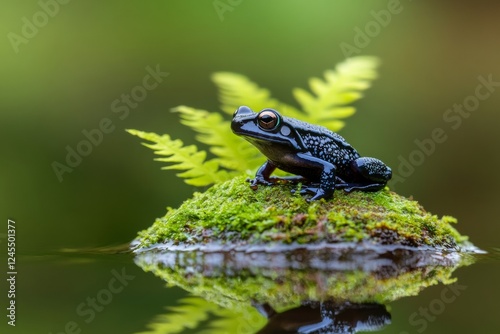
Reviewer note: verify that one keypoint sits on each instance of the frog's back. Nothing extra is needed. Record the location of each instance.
(323, 143)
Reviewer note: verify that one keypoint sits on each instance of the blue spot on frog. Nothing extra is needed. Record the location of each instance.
(317, 155)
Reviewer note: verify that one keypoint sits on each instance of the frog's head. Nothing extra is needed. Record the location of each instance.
(265, 128)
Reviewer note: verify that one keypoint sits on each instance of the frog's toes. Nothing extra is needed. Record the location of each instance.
(316, 191)
(254, 183)
(321, 193)
(306, 190)
(303, 191)
(346, 187)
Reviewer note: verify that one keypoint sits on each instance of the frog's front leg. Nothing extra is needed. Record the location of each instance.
(263, 175)
(326, 172)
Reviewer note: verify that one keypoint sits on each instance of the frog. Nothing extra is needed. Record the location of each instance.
(320, 159)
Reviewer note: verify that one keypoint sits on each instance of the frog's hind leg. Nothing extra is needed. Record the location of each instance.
(372, 169)
(348, 187)
(371, 175)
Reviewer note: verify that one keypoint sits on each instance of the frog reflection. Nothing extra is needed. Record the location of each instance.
(325, 317)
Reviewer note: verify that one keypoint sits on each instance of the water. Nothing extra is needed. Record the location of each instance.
(340, 290)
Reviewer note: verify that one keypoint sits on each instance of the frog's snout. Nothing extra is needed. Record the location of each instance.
(239, 117)
(235, 126)
(243, 111)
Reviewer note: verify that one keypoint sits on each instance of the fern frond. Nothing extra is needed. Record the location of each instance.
(237, 90)
(232, 152)
(327, 104)
(330, 96)
(193, 312)
(197, 171)
(190, 312)
(228, 322)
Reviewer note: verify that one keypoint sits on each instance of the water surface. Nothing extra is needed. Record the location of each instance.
(395, 291)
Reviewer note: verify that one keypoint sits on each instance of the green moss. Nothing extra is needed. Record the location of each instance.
(232, 213)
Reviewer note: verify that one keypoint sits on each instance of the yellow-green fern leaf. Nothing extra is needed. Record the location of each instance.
(330, 96)
(194, 312)
(327, 104)
(188, 314)
(237, 90)
(197, 171)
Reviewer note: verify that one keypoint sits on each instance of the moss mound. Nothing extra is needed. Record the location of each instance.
(231, 213)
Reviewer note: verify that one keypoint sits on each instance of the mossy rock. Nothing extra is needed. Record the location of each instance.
(234, 216)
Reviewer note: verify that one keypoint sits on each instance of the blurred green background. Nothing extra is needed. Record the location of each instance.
(64, 78)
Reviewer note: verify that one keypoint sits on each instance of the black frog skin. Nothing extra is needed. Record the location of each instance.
(323, 158)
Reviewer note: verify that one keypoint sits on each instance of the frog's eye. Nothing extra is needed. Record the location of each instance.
(268, 120)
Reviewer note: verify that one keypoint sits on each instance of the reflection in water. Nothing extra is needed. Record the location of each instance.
(326, 317)
(339, 288)
(111, 249)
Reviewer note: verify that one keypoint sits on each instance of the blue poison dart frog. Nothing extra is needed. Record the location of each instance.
(315, 154)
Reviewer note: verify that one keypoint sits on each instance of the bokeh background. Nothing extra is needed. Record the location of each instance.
(65, 76)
